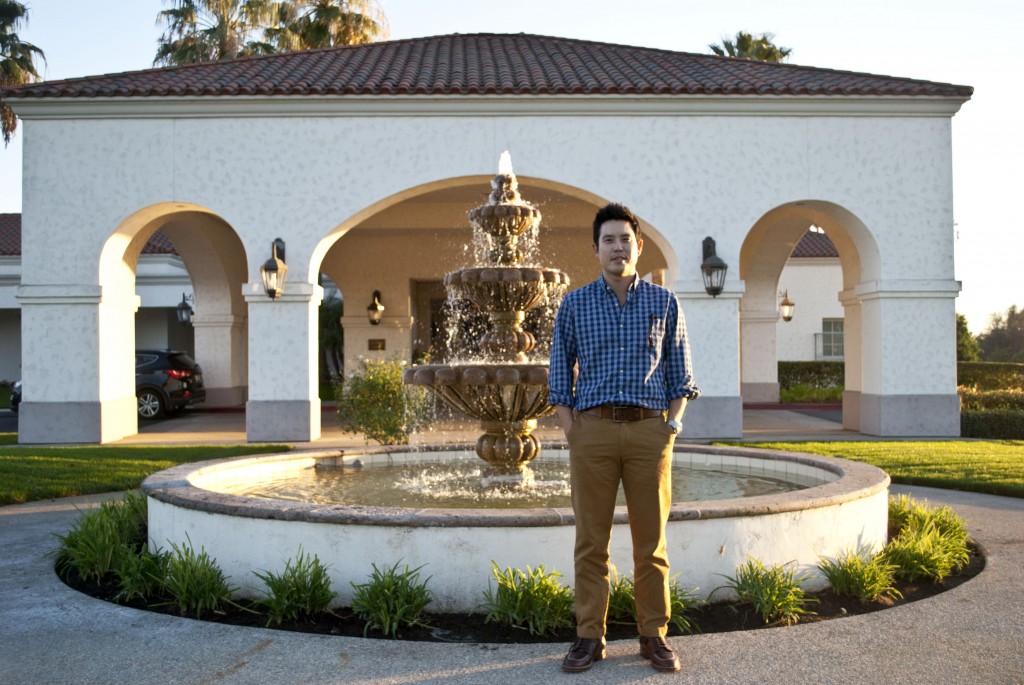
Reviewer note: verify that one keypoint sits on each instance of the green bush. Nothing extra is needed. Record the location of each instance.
(302, 590)
(803, 392)
(143, 576)
(194, 582)
(865, 577)
(972, 399)
(392, 600)
(927, 542)
(993, 424)
(375, 402)
(774, 593)
(682, 603)
(621, 599)
(533, 599)
(991, 375)
(102, 540)
(814, 374)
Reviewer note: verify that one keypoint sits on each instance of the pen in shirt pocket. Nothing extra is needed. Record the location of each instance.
(652, 332)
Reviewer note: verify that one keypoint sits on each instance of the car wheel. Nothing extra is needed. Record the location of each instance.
(151, 404)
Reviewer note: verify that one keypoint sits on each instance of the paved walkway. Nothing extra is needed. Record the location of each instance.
(51, 634)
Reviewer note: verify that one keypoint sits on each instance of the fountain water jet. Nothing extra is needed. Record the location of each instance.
(508, 392)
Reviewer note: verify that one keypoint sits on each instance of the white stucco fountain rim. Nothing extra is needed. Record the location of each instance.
(854, 481)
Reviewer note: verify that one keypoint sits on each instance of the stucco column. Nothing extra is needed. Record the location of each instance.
(713, 325)
(222, 350)
(909, 358)
(390, 339)
(853, 363)
(284, 401)
(78, 364)
(759, 355)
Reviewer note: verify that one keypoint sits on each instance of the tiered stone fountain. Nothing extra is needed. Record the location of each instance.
(506, 390)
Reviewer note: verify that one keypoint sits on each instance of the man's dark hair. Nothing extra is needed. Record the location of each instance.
(615, 212)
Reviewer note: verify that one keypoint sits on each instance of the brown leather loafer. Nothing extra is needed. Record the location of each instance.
(661, 655)
(583, 653)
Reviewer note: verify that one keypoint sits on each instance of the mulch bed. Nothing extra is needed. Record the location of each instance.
(471, 628)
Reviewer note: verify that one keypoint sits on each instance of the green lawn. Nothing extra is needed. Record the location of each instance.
(990, 466)
(34, 473)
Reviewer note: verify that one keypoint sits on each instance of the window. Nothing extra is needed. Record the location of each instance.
(829, 343)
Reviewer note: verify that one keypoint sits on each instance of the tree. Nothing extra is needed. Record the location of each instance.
(17, 59)
(212, 30)
(311, 24)
(748, 46)
(1004, 339)
(967, 349)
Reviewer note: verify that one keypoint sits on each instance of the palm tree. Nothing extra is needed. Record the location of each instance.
(760, 48)
(212, 30)
(17, 59)
(310, 24)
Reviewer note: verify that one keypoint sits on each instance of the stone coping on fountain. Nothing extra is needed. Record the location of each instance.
(840, 481)
(482, 373)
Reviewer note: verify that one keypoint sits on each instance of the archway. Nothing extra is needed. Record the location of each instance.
(763, 255)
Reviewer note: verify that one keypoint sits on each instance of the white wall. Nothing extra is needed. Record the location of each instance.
(814, 285)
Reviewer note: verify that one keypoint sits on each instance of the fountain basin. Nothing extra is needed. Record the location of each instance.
(706, 540)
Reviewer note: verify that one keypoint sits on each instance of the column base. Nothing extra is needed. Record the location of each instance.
(282, 420)
(851, 410)
(910, 416)
(758, 393)
(713, 417)
(67, 423)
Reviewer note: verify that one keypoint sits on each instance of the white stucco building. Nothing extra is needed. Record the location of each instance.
(364, 161)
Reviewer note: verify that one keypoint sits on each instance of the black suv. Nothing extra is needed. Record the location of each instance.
(166, 381)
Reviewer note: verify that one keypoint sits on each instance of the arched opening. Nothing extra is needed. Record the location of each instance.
(765, 252)
(216, 264)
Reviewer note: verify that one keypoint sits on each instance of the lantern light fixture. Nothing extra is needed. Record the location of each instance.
(786, 306)
(713, 269)
(185, 311)
(375, 310)
(273, 270)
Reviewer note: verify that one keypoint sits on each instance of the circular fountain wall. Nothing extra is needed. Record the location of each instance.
(846, 510)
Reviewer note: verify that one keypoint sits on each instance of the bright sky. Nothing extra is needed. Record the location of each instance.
(951, 41)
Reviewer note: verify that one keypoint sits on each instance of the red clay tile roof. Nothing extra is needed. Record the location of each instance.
(814, 244)
(10, 238)
(10, 234)
(486, 64)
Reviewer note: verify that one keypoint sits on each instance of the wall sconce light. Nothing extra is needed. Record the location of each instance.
(375, 310)
(273, 270)
(184, 311)
(786, 307)
(713, 269)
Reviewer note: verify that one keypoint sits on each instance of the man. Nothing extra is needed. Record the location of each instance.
(621, 415)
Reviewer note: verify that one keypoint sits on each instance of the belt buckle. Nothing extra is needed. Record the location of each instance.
(628, 412)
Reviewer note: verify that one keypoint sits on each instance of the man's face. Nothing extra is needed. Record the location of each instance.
(618, 248)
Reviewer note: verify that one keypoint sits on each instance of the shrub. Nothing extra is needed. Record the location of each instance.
(682, 603)
(302, 590)
(925, 553)
(102, 540)
(375, 402)
(817, 374)
(993, 424)
(621, 599)
(533, 599)
(392, 600)
(774, 593)
(622, 604)
(803, 392)
(865, 577)
(194, 582)
(991, 375)
(143, 576)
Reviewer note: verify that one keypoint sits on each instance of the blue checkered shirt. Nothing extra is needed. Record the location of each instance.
(635, 354)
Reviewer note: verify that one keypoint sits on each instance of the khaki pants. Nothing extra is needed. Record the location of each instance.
(639, 454)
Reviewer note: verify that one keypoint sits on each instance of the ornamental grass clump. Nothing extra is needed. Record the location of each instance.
(621, 599)
(301, 591)
(862, 575)
(683, 603)
(533, 599)
(194, 583)
(102, 541)
(926, 542)
(774, 593)
(392, 600)
(622, 604)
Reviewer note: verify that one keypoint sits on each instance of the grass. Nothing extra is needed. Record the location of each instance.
(34, 473)
(994, 467)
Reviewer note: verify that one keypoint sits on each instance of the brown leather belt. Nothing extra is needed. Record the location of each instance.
(621, 413)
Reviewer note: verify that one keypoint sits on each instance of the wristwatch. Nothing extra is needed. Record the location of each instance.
(675, 426)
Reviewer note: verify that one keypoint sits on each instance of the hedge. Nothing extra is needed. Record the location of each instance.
(813, 374)
(993, 424)
(990, 375)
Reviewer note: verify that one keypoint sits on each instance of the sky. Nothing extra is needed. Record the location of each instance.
(950, 41)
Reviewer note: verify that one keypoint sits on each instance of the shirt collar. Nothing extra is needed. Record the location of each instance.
(608, 288)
